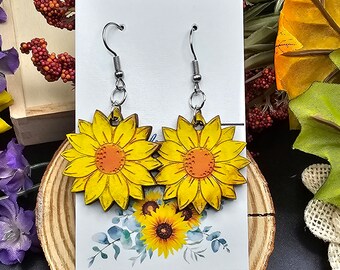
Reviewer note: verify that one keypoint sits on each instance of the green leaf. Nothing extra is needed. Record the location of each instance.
(264, 35)
(335, 57)
(278, 6)
(261, 59)
(258, 1)
(255, 10)
(318, 111)
(253, 49)
(260, 21)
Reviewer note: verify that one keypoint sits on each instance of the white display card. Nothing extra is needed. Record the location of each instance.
(156, 60)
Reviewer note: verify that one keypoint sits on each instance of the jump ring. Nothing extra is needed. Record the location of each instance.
(117, 102)
(197, 95)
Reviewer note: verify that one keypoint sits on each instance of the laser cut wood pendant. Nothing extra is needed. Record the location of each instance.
(111, 163)
(200, 166)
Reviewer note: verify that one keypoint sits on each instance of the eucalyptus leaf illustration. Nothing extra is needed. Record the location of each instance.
(115, 232)
(100, 238)
(318, 111)
(309, 30)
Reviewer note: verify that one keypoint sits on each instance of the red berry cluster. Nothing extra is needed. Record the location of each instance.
(258, 119)
(263, 103)
(59, 13)
(266, 80)
(52, 66)
(279, 112)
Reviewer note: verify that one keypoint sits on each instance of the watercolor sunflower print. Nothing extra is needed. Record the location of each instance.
(164, 230)
(190, 216)
(152, 200)
(200, 166)
(111, 163)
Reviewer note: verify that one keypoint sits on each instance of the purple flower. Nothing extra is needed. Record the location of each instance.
(14, 169)
(9, 62)
(3, 15)
(17, 231)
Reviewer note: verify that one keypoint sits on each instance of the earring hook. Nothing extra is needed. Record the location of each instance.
(191, 40)
(120, 27)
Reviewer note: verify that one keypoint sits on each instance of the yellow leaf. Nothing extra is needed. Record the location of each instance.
(4, 126)
(308, 32)
(5, 100)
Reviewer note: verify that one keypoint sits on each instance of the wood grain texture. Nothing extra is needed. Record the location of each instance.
(55, 217)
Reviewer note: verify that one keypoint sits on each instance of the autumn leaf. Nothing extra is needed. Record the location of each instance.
(318, 111)
(309, 30)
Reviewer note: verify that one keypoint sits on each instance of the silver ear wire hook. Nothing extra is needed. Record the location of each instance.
(119, 94)
(197, 98)
(121, 27)
(191, 40)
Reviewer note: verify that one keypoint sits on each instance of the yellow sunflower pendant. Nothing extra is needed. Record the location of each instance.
(111, 163)
(200, 166)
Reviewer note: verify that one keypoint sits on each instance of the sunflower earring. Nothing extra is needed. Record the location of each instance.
(200, 160)
(111, 157)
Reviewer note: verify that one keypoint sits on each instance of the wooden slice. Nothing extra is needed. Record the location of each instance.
(55, 216)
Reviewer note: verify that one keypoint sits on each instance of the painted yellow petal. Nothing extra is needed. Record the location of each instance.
(171, 191)
(119, 190)
(172, 151)
(199, 202)
(95, 186)
(79, 184)
(137, 174)
(170, 135)
(171, 174)
(85, 127)
(186, 133)
(81, 167)
(139, 150)
(228, 150)
(125, 130)
(142, 133)
(187, 192)
(228, 174)
(211, 192)
(164, 161)
(106, 199)
(71, 154)
(101, 128)
(83, 143)
(4, 126)
(228, 191)
(211, 133)
(136, 191)
(150, 163)
(238, 162)
(227, 134)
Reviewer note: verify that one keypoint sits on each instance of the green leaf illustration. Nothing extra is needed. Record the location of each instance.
(318, 111)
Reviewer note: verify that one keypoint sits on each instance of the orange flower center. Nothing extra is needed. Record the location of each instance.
(199, 163)
(110, 158)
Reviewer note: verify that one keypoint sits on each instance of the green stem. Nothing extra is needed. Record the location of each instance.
(101, 250)
(39, 165)
(23, 192)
